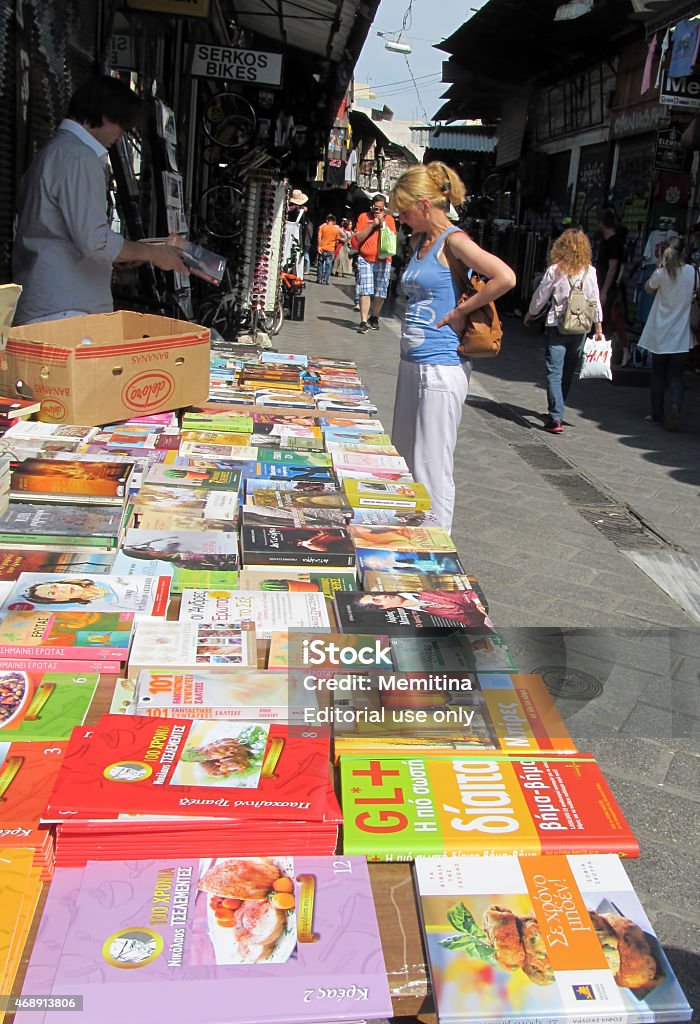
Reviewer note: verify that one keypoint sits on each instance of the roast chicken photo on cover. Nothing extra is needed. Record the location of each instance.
(253, 898)
(514, 942)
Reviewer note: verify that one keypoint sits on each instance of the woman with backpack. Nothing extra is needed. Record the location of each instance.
(570, 276)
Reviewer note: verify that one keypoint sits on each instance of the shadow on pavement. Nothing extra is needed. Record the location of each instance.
(615, 408)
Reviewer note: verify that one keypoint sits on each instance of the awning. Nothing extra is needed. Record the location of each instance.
(462, 140)
(522, 43)
(333, 29)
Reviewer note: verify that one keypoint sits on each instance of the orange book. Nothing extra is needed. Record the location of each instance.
(402, 807)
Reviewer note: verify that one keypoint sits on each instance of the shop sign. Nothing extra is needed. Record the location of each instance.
(669, 155)
(639, 120)
(681, 92)
(121, 52)
(186, 8)
(252, 66)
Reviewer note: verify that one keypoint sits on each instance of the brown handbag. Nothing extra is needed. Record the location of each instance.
(481, 338)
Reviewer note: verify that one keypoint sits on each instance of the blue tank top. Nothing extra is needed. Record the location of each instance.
(432, 293)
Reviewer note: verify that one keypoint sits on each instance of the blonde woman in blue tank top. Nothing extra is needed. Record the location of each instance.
(433, 379)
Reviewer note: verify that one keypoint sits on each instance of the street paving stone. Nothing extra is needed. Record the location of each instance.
(541, 564)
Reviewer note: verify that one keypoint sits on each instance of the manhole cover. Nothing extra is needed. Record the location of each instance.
(541, 456)
(570, 684)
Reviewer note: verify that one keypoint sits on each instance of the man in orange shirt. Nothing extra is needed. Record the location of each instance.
(328, 237)
(373, 273)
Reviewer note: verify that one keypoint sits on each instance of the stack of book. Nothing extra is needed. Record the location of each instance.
(28, 771)
(15, 410)
(4, 483)
(20, 889)
(204, 787)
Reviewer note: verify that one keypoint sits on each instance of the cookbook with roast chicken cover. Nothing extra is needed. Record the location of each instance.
(544, 938)
(398, 808)
(250, 939)
(225, 769)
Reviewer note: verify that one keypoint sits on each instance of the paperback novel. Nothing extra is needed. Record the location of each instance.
(58, 592)
(385, 494)
(409, 612)
(96, 483)
(95, 636)
(318, 546)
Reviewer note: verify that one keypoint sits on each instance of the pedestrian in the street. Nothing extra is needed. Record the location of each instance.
(610, 270)
(570, 265)
(328, 238)
(373, 270)
(433, 378)
(64, 247)
(667, 333)
(341, 263)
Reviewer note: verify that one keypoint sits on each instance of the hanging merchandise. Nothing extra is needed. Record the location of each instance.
(266, 207)
(648, 66)
(662, 56)
(686, 37)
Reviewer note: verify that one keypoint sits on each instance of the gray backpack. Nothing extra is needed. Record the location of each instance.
(579, 314)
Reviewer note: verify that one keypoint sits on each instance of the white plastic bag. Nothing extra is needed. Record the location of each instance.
(595, 362)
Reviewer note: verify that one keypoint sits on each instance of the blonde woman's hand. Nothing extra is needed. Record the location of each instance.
(528, 318)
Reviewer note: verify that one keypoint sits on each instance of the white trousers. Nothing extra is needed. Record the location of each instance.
(427, 414)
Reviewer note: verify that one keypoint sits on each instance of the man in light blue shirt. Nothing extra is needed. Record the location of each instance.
(64, 248)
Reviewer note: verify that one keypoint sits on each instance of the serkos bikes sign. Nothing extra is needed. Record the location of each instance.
(252, 66)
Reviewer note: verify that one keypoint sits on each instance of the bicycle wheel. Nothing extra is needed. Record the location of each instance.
(223, 317)
(271, 323)
(229, 120)
(221, 210)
